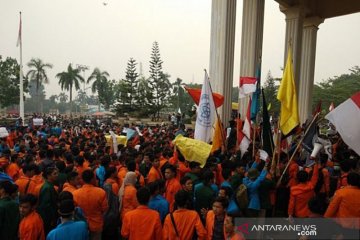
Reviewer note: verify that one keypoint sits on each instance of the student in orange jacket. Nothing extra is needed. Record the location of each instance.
(346, 204)
(142, 223)
(31, 225)
(73, 182)
(215, 219)
(130, 167)
(127, 194)
(230, 230)
(172, 185)
(92, 200)
(185, 220)
(155, 171)
(25, 183)
(301, 193)
(111, 178)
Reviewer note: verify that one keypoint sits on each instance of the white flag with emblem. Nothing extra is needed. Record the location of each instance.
(205, 113)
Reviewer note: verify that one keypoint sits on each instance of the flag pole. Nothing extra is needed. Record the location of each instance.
(296, 149)
(217, 114)
(21, 103)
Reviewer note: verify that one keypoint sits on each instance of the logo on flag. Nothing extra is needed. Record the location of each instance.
(204, 118)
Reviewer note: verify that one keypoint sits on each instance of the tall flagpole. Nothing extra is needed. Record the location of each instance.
(21, 104)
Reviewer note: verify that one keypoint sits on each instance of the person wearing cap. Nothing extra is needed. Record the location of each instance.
(252, 182)
(31, 225)
(9, 211)
(68, 229)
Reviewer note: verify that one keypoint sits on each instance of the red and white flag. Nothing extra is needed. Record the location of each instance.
(247, 121)
(247, 85)
(19, 36)
(332, 107)
(242, 141)
(345, 118)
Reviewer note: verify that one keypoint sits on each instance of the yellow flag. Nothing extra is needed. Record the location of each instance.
(289, 115)
(193, 150)
(120, 140)
(217, 138)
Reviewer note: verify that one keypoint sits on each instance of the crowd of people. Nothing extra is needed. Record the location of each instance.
(65, 180)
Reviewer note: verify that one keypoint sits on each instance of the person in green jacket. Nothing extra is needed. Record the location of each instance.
(9, 212)
(47, 207)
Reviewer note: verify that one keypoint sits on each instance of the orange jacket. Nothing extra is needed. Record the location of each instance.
(186, 222)
(142, 223)
(300, 195)
(293, 170)
(69, 188)
(154, 174)
(172, 187)
(210, 221)
(31, 227)
(114, 185)
(93, 202)
(129, 200)
(345, 204)
(23, 182)
(13, 171)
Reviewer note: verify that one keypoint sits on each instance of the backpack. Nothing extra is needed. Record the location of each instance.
(112, 216)
(241, 196)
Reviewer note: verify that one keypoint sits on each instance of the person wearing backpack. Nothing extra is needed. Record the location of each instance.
(182, 223)
(252, 183)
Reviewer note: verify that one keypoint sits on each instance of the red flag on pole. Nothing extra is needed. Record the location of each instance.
(195, 95)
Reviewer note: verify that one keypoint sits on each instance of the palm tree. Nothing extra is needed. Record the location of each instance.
(38, 74)
(70, 79)
(99, 79)
(63, 97)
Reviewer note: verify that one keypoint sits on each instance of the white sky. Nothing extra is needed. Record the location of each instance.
(87, 32)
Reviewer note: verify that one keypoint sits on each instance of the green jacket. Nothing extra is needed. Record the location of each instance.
(48, 206)
(9, 219)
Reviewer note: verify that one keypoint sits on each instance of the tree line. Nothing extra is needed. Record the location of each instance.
(137, 94)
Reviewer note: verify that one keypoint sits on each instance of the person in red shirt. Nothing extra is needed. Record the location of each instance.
(172, 185)
(143, 222)
(31, 225)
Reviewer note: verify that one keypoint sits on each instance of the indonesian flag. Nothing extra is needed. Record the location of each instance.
(247, 85)
(346, 119)
(241, 140)
(332, 107)
(19, 36)
(247, 121)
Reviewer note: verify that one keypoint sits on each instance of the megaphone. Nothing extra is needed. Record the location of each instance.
(316, 150)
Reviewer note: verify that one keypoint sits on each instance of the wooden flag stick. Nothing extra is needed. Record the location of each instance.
(296, 149)
(273, 162)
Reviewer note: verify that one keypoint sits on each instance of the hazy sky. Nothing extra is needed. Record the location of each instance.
(88, 32)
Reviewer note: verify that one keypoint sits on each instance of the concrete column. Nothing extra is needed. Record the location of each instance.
(223, 19)
(294, 30)
(251, 42)
(307, 67)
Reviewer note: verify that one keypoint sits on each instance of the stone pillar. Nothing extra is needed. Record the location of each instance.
(223, 19)
(307, 67)
(251, 43)
(294, 30)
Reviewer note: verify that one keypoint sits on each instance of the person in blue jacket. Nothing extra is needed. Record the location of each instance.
(252, 183)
